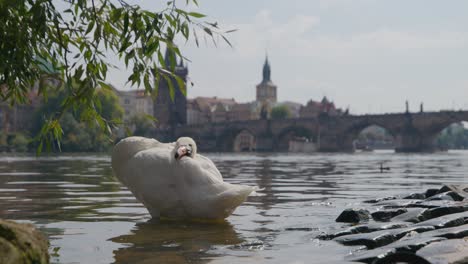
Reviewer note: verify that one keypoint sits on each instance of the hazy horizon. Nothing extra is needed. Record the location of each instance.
(368, 55)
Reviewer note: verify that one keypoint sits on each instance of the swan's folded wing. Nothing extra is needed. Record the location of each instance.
(148, 175)
(208, 166)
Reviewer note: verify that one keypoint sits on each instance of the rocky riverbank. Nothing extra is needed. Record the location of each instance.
(427, 227)
(22, 244)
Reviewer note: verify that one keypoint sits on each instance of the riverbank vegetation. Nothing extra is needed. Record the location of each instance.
(77, 41)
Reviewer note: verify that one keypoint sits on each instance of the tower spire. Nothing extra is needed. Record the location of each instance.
(266, 70)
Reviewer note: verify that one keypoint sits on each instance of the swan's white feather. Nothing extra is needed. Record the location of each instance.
(181, 189)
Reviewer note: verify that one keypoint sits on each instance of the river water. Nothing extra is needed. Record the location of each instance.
(90, 218)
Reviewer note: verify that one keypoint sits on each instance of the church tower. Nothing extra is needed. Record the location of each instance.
(266, 90)
(170, 112)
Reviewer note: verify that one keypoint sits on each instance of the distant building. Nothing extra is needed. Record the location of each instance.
(135, 102)
(266, 90)
(209, 109)
(243, 111)
(314, 108)
(168, 111)
(20, 117)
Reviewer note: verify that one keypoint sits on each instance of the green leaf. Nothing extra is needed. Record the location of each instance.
(196, 15)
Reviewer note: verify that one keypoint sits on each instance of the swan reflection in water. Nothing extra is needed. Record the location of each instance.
(174, 242)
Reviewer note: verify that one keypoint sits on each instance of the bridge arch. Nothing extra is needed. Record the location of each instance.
(237, 140)
(452, 136)
(286, 137)
(369, 135)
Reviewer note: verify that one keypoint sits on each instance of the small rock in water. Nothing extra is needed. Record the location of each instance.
(353, 216)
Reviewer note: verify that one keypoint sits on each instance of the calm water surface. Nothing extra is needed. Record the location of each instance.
(90, 218)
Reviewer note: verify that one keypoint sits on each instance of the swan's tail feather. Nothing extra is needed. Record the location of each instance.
(232, 198)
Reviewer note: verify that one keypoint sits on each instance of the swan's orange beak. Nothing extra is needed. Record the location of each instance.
(183, 151)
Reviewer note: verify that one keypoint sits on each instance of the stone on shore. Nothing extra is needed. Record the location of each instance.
(386, 215)
(22, 244)
(427, 227)
(353, 216)
(453, 251)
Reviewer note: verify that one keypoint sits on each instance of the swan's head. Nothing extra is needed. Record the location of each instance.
(185, 146)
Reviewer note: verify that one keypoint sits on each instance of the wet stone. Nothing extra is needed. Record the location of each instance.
(433, 204)
(417, 196)
(412, 215)
(432, 225)
(22, 244)
(380, 238)
(443, 210)
(461, 190)
(362, 229)
(404, 245)
(353, 216)
(450, 233)
(431, 192)
(386, 215)
(398, 203)
(449, 196)
(447, 252)
(446, 220)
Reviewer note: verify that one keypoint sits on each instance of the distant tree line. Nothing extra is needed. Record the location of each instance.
(79, 135)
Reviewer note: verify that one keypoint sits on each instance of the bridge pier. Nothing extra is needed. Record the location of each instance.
(415, 142)
(335, 143)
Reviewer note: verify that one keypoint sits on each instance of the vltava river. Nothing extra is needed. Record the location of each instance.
(90, 218)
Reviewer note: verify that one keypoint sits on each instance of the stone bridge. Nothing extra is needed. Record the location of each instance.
(412, 132)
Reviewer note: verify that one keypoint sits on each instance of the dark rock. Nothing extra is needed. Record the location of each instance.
(362, 229)
(353, 216)
(412, 215)
(417, 196)
(448, 252)
(386, 215)
(446, 220)
(444, 188)
(441, 211)
(433, 204)
(380, 238)
(301, 229)
(22, 244)
(461, 190)
(450, 233)
(403, 245)
(397, 203)
(401, 257)
(456, 196)
(441, 196)
(431, 192)
(449, 196)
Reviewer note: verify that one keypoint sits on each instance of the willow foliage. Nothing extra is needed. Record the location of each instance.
(70, 41)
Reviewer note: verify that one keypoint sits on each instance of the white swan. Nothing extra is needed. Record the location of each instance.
(173, 181)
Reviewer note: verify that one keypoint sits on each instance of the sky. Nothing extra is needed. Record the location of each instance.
(366, 55)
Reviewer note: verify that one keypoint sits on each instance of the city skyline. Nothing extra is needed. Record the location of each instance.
(369, 55)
